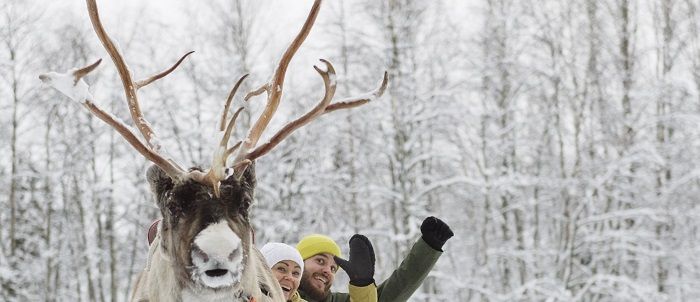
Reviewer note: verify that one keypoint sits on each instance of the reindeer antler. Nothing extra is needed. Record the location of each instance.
(150, 149)
(217, 171)
(274, 92)
(72, 85)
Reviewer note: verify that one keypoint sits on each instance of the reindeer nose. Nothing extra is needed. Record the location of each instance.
(217, 242)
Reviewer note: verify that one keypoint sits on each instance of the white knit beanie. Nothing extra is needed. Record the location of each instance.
(275, 252)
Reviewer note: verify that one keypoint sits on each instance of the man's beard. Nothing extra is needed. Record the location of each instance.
(311, 291)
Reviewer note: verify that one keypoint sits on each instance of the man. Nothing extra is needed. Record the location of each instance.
(322, 256)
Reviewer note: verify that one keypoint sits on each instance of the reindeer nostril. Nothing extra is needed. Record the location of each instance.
(233, 255)
(200, 254)
(216, 272)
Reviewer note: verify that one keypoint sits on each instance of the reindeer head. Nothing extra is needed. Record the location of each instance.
(209, 237)
(206, 229)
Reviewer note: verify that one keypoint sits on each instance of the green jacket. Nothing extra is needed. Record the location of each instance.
(404, 281)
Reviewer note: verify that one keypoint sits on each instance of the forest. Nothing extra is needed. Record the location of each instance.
(560, 140)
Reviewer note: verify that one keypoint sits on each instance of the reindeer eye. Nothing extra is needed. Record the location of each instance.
(174, 209)
(172, 204)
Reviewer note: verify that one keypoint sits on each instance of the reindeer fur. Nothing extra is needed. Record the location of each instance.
(187, 207)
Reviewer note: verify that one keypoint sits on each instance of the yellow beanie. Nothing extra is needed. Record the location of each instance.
(315, 244)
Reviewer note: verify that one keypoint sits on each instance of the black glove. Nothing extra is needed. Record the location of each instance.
(360, 268)
(435, 232)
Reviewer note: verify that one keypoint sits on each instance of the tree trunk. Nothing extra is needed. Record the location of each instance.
(49, 292)
(109, 225)
(87, 260)
(14, 170)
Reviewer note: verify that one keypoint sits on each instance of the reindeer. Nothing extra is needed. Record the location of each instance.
(204, 248)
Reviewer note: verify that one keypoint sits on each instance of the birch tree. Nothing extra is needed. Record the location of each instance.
(20, 235)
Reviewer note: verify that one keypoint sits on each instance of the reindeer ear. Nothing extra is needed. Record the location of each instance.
(249, 175)
(160, 182)
(248, 181)
(245, 180)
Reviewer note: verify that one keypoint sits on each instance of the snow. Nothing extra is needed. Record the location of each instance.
(65, 83)
(477, 135)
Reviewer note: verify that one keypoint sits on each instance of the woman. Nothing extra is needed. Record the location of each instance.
(287, 266)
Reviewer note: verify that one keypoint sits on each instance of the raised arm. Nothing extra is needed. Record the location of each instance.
(411, 273)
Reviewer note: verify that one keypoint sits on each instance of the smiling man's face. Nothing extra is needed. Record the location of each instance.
(319, 273)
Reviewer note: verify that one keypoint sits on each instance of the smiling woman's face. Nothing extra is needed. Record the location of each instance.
(288, 274)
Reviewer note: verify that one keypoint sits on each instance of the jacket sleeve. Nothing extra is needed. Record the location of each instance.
(404, 281)
(363, 293)
(357, 294)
